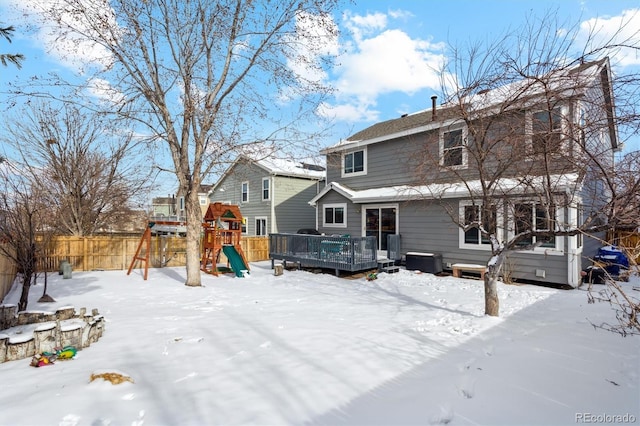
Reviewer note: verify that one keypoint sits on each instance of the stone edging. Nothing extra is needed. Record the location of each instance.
(24, 334)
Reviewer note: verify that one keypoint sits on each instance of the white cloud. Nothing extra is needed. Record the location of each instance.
(623, 29)
(72, 52)
(360, 26)
(349, 112)
(104, 91)
(390, 61)
(381, 60)
(400, 14)
(315, 37)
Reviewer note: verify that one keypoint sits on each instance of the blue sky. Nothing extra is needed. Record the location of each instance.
(390, 49)
(388, 70)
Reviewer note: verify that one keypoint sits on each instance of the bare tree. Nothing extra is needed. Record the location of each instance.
(202, 78)
(10, 58)
(626, 180)
(625, 305)
(81, 163)
(531, 137)
(21, 217)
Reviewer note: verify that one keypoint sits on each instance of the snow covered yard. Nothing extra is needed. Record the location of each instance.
(305, 348)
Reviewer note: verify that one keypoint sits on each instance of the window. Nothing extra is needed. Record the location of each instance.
(243, 225)
(354, 163)
(546, 131)
(533, 217)
(334, 215)
(452, 148)
(485, 217)
(245, 192)
(203, 201)
(265, 189)
(261, 226)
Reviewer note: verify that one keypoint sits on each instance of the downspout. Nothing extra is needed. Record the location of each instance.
(571, 248)
(272, 203)
(315, 205)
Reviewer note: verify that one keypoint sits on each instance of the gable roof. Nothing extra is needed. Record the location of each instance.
(229, 212)
(565, 82)
(312, 169)
(405, 123)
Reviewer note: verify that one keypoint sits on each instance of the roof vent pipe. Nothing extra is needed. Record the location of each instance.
(433, 107)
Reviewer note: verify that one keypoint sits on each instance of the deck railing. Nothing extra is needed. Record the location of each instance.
(341, 253)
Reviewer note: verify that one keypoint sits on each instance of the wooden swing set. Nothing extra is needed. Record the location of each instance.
(145, 241)
(222, 225)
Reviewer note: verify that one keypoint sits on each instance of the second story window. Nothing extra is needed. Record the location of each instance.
(546, 131)
(266, 193)
(245, 192)
(354, 163)
(452, 148)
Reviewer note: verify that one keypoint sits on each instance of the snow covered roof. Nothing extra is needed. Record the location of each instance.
(307, 168)
(507, 186)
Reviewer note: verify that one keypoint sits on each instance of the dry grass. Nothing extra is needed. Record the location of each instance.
(114, 378)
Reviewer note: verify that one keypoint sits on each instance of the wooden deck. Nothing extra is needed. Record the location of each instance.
(340, 253)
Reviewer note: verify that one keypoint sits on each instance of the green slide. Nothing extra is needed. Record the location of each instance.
(237, 264)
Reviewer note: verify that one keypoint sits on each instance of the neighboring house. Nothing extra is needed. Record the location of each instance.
(272, 193)
(166, 206)
(173, 205)
(374, 188)
(169, 215)
(203, 197)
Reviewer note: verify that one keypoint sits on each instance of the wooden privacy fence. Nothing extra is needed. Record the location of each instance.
(629, 241)
(116, 252)
(7, 274)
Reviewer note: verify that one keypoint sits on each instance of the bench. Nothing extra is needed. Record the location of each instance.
(459, 268)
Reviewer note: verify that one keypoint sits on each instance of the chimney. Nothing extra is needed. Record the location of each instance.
(433, 107)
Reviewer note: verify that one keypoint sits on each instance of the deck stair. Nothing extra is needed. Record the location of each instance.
(388, 266)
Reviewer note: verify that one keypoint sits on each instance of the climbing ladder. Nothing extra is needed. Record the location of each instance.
(146, 240)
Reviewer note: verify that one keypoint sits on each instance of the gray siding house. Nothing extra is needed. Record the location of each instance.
(272, 193)
(380, 182)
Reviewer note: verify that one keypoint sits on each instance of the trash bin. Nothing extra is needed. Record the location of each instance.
(612, 259)
(425, 262)
(65, 269)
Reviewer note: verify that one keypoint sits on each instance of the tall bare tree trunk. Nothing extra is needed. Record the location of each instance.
(194, 228)
(28, 266)
(24, 295)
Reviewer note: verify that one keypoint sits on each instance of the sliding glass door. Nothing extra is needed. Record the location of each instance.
(380, 221)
